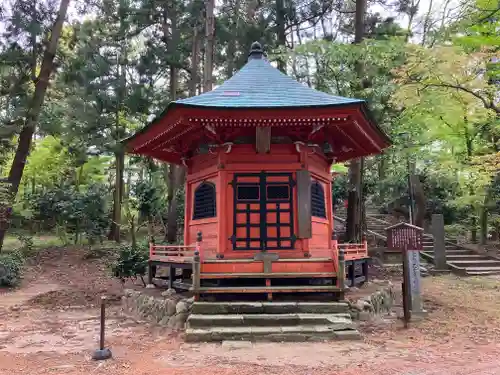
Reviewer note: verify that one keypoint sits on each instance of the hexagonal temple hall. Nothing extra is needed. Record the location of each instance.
(257, 151)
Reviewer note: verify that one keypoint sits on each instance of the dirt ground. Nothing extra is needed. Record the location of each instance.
(50, 326)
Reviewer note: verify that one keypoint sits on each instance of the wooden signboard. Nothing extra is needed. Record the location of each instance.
(409, 239)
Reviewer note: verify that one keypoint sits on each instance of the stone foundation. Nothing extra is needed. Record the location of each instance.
(169, 310)
(376, 304)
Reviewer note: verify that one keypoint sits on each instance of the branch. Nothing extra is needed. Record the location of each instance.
(488, 104)
(491, 13)
(446, 122)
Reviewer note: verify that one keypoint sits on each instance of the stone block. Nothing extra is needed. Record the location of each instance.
(271, 319)
(264, 331)
(180, 320)
(209, 308)
(364, 316)
(171, 307)
(222, 320)
(181, 307)
(279, 307)
(322, 307)
(347, 335)
(169, 293)
(287, 337)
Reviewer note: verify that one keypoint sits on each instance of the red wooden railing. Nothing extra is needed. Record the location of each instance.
(351, 250)
(175, 253)
(354, 250)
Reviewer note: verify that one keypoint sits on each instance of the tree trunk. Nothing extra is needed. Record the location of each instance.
(195, 62)
(382, 174)
(427, 24)
(411, 16)
(34, 109)
(209, 46)
(173, 180)
(353, 224)
(420, 203)
(172, 183)
(232, 46)
(114, 232)
(280, 30)
(176, 179)
(308, 75)
(483, 219)
(469, 147)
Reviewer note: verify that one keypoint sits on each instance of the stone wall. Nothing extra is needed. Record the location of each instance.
(376, 304)
(169, 310)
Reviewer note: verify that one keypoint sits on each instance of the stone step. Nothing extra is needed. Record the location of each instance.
(452, 253)
(272, 333)
(485, 262)
(454, 257)
(481, 273)
(459, 252)
(447, 247)
(269, 307)
(338, 321)
(490, 270)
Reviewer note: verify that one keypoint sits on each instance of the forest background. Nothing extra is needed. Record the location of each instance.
(76, 78)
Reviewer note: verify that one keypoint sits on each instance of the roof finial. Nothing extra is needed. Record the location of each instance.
(256, 51)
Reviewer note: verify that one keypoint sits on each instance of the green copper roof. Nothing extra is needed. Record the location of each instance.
(259, 85)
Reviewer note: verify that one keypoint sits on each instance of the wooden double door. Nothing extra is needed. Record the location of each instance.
(263, 211)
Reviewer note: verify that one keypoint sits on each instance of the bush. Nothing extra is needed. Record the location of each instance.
(11, 265)
(26, 248)
(132, 262)
(73, 211)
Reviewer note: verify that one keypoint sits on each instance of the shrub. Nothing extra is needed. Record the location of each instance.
(132, 262)
(26, 248)
(11, 265)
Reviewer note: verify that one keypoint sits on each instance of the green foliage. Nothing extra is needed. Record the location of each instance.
(438, 100)
(11, 265)
(132, 261)
(48, 163)
(149, 198)
(73, 211)
(339, 190)
(27, 245)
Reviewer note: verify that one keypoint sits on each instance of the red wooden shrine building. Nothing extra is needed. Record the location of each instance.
(258, 210)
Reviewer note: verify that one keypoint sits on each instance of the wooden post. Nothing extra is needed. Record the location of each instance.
(103, 322)
(365, 246)
(151, 268)
(171, 276)
(365, 269)
(196, 275)
(351, 272)
(335, 248)
(406, 289)
(365, 262)
(102, 353)
(199, 238)
(341, 270)
(150, 273)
